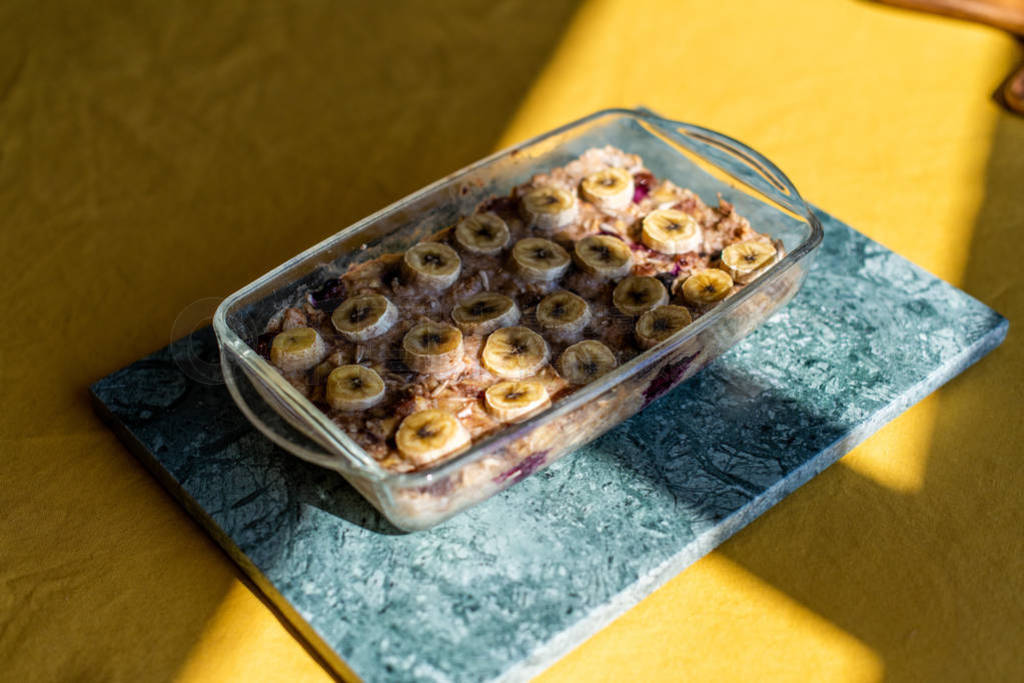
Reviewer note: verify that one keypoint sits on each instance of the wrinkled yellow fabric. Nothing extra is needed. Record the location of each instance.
(155, 155)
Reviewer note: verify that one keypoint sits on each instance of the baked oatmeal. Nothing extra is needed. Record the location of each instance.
(417, 355)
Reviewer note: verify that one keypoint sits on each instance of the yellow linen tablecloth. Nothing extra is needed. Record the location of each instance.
(155, 157)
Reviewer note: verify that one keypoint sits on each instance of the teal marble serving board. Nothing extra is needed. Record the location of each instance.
(506, 588)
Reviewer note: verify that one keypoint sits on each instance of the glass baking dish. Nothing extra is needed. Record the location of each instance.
(700, 159)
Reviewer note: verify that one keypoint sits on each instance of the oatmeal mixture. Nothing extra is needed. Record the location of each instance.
(416, 355)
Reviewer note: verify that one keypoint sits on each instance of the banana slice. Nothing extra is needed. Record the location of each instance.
(425, 436)
(540, 260)
(550, 208)
(707, 287)
(433, 348)
(671, 232)
(745, 261)
(516, 400)
(585, 361)
(666, 194)
(432, 265)
(609, 189)
(483, 233)
(485, 312)
(364, 317)
(605, 256)
(354, 387)
(297, 349)
(659, 324)
(514, 352)
(563, 315)
(636, 295)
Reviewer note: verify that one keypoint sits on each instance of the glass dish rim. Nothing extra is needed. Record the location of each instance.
(356, 461)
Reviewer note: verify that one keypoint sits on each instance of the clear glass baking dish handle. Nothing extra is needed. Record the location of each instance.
(301, 443)
(742, 162)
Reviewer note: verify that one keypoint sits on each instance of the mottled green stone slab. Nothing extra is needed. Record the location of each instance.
(507, 587)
